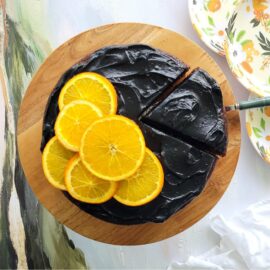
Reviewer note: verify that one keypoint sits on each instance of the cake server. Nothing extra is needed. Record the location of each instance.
(244, 105)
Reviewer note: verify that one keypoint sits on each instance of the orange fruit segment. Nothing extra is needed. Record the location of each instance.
(84, 186)
(91, 87)
(113, 148)
(72, 122)
(143, 186)
(54, 160)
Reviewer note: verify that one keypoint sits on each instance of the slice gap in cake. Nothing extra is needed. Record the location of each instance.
(164, 94)
(193, 111)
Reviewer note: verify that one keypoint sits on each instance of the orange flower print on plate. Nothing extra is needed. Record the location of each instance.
(267, 111)
(213, 5)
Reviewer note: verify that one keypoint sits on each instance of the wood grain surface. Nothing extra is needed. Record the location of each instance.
(30, 129)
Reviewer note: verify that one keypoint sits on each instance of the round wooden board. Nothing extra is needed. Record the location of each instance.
(30, 125)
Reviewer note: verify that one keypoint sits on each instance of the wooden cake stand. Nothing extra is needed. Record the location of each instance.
(30, 129)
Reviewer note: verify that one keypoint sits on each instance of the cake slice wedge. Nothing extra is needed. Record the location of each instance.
(193, 111)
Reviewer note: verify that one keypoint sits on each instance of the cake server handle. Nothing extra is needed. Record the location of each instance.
(244, 105)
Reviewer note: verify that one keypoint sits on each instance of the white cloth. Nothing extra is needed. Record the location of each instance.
(244, 242)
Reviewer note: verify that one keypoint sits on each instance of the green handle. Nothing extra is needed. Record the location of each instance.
(256, 103)
(243, 105)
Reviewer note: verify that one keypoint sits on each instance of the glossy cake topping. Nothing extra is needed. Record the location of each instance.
(194, 111)
(142, 76)
(139, 74)
(186, 171)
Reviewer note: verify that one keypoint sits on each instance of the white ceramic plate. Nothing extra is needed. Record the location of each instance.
(209, 18)
(247, 45)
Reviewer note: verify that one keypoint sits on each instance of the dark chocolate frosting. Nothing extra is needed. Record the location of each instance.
(139, 74)
(194, 111)
(186, 170)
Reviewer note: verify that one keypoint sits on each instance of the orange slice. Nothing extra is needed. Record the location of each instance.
(84, 186)
(73, 121)
(91, 87)
(143, 186)
(113, 148)
(54, 160)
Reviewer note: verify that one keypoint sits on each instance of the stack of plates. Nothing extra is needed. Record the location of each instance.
(240, 30)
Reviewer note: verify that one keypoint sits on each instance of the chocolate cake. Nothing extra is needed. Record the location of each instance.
(143, 78)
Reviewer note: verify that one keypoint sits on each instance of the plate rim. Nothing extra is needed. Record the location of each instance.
(243, 82)
(203, 37)
(251, 95)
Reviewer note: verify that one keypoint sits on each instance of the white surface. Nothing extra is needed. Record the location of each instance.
(250, 183)
(244, 242)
